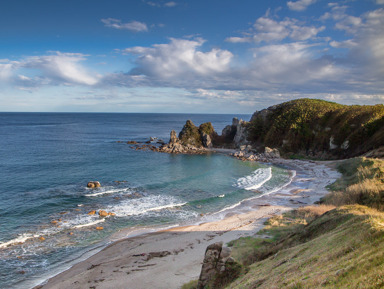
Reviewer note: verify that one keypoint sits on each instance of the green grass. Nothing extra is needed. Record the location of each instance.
(343, 248)
(305, 126)
(326, 246)
(362, 183)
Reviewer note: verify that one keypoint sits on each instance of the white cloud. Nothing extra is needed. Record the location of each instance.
(170, 4)
(178, 58)
(267, 29)
(300, 5)
(55, 69)
(159, 4)
(134, 26)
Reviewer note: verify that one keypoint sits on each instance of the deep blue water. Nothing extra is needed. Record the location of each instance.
(46, 160)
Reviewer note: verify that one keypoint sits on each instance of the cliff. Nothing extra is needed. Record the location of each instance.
(318, 128)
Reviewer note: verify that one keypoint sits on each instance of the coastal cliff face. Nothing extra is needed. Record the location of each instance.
(317, 128)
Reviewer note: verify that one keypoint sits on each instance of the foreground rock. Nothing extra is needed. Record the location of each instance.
(218, 267)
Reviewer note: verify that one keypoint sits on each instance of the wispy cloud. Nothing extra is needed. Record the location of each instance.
(161, 4)
(300, 5)
(266, 29)
(134, 26)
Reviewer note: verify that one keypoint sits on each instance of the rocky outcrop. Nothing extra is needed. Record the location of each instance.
(218, 267)
(191, 139)
(190, 135)
(235, 134)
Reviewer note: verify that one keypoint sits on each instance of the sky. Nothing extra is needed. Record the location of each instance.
(188, 56)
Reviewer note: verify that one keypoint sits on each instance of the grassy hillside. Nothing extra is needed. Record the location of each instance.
(319, 128)
(343, 248)
(338, 244)
(327, 246)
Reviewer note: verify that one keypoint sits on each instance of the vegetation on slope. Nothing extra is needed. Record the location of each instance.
(319, 128)
(338, 244)
(323, 247)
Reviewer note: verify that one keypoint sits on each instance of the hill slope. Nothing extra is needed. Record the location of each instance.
(318, 128)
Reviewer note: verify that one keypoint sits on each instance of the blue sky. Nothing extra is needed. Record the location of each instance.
(211, 56)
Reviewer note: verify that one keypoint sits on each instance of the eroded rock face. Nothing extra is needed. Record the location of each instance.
(236, 133)
(217, 264)
(206, 140)
(209, 268)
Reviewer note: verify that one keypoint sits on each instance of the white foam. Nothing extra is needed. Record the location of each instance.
(254, 181)
(106, 191)
(89, 224)
(144, 205)
(19, 240)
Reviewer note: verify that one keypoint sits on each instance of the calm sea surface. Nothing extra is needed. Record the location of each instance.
(46, 160)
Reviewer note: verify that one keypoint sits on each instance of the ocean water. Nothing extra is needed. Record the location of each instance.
(46, 160)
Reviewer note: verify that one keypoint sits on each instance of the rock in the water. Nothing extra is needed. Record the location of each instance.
(93, 184)
(103, 213)
(92, 212)
(99, 228)
(42, 238)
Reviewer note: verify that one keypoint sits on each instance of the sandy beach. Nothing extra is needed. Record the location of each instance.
(172, 257)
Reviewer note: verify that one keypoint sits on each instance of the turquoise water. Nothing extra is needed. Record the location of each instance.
(47, 160)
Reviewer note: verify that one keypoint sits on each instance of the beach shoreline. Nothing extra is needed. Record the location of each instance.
(172, 257)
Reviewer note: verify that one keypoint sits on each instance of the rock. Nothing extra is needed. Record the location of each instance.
(103, 213)
(92, 212)
(218, 268)
(42, 238)
(332, 144)
(111, 214)
(131, 142)
(190, 135)
(206, 140)
(209, 269)
(271, 153)
(93, 184)
(173, 139)
(54, 222)
(99, 228)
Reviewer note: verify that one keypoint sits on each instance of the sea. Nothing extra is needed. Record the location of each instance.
(47, 159)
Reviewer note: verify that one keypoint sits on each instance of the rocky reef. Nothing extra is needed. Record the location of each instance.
(191, 139)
